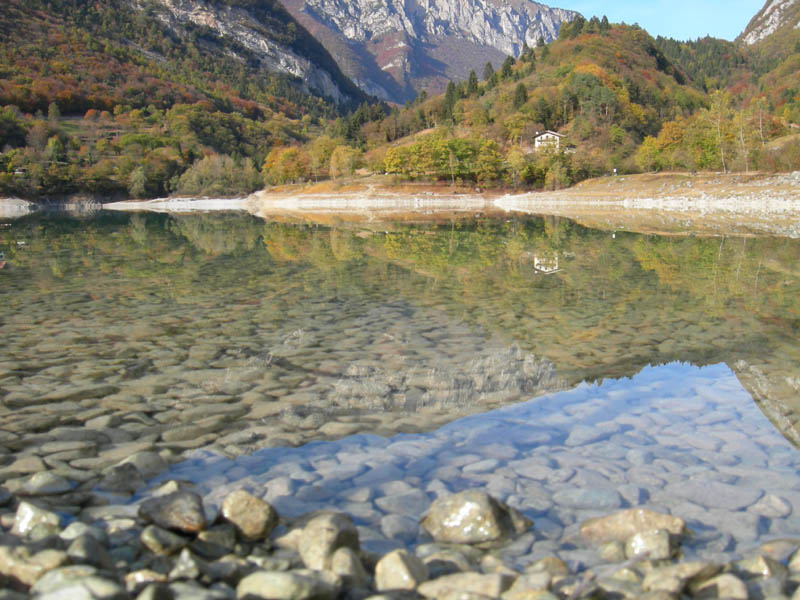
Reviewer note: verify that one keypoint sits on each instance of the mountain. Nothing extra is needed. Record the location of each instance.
(775, 16)
(398, 48)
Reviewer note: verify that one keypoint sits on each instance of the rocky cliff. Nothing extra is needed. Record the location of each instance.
(396, 48)
(774, 16)
(262, 29)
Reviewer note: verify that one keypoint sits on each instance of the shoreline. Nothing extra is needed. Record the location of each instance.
(662, 203)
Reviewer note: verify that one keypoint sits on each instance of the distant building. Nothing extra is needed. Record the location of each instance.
(547, 139)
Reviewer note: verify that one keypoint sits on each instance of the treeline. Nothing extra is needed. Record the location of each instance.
(721, 137)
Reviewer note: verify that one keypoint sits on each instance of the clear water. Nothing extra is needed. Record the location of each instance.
(338, 365)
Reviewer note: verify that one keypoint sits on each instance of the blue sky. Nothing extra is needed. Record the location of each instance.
(679, 19)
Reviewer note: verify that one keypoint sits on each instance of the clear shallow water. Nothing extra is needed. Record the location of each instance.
(674, 438)
(229, 335)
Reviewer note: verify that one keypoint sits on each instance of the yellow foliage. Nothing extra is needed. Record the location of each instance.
(592, 69)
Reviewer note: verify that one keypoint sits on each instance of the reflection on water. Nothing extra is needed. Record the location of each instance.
(674, 438)
(230, 334)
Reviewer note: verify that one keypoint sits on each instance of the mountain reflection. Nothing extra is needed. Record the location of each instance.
(558, 303)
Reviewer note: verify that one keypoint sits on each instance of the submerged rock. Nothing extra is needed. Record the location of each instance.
(622, 526)
(473, 517)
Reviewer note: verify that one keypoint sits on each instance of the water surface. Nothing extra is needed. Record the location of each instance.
(227, 335)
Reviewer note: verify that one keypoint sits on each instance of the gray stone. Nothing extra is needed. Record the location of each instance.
(323, 535)
(121, 479)
(88, 550)
(621, 526)
(253, 518)
(589, 498)
(399, 527)
(161, 541)
(274, 585)
(654, 545)
(399, 570)
(346, 564)
(187, 566)
(18, 563)
(29, 516)
(473, 517)
(581, 435)
(149, 464)
(46, 483)
(76, 582)
(725, 586)
(673, 578)
(772, 506)
(77, 529)
(713, 494)
(491, 585)
(411, 504)
(181, 510)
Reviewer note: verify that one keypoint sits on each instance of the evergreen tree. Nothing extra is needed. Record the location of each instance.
(604, 24)
(505, 70)
(520, 96)
(472, 83)
(450, 98)
(488, 71)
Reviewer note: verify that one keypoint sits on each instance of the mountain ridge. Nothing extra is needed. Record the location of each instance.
(775, 15)
(397, 49)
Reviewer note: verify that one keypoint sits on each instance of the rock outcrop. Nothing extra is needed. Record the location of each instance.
(775, 15)
(268, 34)
(395, 49)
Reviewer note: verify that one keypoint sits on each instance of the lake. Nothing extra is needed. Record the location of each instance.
(374, 366)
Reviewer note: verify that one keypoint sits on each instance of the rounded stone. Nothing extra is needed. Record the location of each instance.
(46, 483)
(621, 526)
(400, 570)
(182, 511)
(323, 535)
(275, 585)
(29, 516)
(253, 518)
(472, 517)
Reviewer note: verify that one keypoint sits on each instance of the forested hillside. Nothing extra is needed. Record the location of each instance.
(109, 98)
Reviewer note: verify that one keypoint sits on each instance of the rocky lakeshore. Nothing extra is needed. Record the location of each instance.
(495, 506)
(172, 546)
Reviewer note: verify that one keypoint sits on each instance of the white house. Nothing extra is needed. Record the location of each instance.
(547, 139)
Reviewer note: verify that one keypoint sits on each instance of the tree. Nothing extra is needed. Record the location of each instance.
(505, 70)
(344, 161)
(488, 71)
(647, 155)
(472, 83)
(520, 96)
(137, 183)
(319, 152)
(449, 101)
(489, 162)
(518, 163)
(719, 113)
(53, 112)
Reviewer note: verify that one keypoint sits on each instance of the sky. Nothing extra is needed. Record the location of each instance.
(679, 19)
